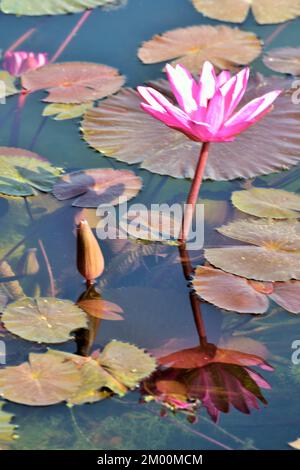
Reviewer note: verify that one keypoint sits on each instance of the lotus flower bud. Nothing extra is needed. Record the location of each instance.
(90, 261)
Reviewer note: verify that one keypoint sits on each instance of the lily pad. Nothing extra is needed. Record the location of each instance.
(74, 82)
(238, 294)
(269, 203)
(63, 111)
(44, 380)
(284, 60)
(7, 429)
(163, 150)
(22, 172)
(295, 444)
(100, 308)
(236, 11)
(43, 319)
(95, 187)
(275, 255)
(9, 84)
(223, 46)
(50, 7)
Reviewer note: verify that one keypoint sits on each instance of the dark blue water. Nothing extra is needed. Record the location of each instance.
(151, 289)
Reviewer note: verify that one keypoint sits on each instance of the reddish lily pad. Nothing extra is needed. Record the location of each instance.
(284, 60)
(238, 294)
(74, 82)
(223, 46)
(236, 11)
(275, 255)
(166, 151)
(95, 187)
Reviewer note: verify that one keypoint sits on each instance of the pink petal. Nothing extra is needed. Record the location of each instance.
(216, 111)
(222, 78)
(183, 86)
(207, 84)
(234, 90)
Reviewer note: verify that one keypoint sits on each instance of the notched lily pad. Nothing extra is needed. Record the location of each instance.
(43, 319)
(95, 187)
(275, 255)
(223, 46)
(22, 172)
(62, 111)
(50, 7)
(269, 203)
(284, 60)
(236, 11)
(74, 82)
(44, 380)
(166, 151)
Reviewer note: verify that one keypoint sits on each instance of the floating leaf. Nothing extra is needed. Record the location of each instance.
(8, 87)
(225, 47)
(127, 363)
(295, 444)
(151, 225)
(270, 203)
(7, 429)
(100, 308)
(44, 380)
(236, 11)
(238, 294)
(23, 171)
(44, 319)
(61, 111)
(95, 187)
(74, 82)
(119, 128)
(275, 256)
(284, 60)
(50, 7)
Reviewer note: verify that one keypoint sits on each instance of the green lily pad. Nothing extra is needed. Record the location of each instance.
(9, 84)
(44, 380)
(43, 319)
(270, 203)
(22, 172)
(63, 111)
(50, 7)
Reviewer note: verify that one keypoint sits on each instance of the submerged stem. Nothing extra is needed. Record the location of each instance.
(194, 193)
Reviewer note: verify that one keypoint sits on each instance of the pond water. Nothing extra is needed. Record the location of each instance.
(148, 284)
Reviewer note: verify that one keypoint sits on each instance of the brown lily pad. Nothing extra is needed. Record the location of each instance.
(236, 11)
(284, 60)
(238, 294)
(95, 187)
(275, 255)
(223, 46)
(44, 380)
(102, 309)
(166, 151)
(73, 82)
(267, 202)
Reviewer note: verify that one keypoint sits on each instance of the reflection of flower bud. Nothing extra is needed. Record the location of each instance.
(90, 262)
(29, 264)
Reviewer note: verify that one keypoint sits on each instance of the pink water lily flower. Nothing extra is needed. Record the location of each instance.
(19, 62)
(206, 112)
(207, 109)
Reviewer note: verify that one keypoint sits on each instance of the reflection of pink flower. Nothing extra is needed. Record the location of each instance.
(17, 63)
(206, 111)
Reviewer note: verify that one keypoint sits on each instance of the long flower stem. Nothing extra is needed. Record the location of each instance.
(70, 36)
(20, 40)
(15, 132)
(194, 193)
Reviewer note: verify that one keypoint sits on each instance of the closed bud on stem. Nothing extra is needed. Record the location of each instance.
(90, 261)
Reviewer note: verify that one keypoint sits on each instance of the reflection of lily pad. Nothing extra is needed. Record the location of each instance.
(103, 186)
(270, 203)
(275, 255)
(50, 7)
(7, 429)
(62, 111)
(44, 319)
(44, 380)
(23, 171)
(225, 47)
(74, 82)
